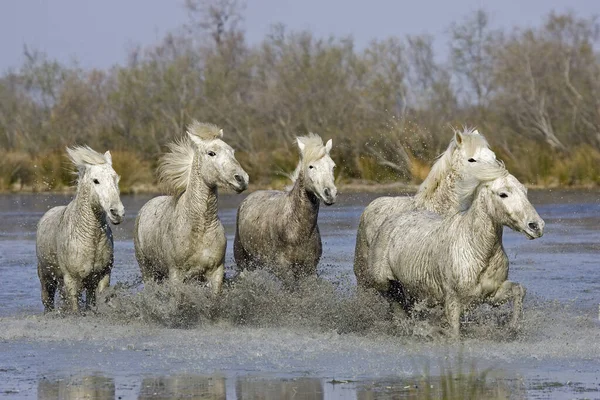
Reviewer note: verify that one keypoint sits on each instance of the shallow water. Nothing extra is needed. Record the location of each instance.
(324, 341)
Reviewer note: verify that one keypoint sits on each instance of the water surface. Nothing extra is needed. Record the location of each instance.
(327, 342)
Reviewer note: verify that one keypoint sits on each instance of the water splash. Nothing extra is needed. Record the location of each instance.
(258, 299)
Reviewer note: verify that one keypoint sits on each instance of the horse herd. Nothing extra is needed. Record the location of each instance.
(442, 246)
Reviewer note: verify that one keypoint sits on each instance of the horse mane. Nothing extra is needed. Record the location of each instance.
(469, 185)
(313, 150)
(81, 156)
(472, 140)
(204, 131)
(175, 166)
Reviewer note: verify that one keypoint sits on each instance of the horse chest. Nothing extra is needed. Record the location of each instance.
(82, 257)
(495, 274)
(205, 251)
(479, 280)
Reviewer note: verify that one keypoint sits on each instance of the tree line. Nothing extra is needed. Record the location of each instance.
(390, 107)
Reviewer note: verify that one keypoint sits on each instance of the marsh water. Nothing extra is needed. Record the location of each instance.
(323, 341)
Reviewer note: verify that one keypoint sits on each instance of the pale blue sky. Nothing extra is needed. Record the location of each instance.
(99, 33)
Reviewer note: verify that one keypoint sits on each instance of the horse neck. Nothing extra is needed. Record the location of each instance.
(443, 199)
(87, 218)
(200, 199)
(304, 205)
(478, 222)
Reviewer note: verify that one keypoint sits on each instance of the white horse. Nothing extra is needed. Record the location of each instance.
(180, 237)
(458, 260)
(278, 230)
(468, 150)
(74, 243)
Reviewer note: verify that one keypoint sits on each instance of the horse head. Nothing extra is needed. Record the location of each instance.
(218, 165)
(508, 198)
(98, 177)
(318, 167)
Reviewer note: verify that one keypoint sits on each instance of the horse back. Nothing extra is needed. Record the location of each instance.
(261, 211)
(378, 211)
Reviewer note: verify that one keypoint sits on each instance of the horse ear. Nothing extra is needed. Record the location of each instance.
(476, 132)
(301, 145)
(328, 146)
(221, 133)
(108, 157)
(458, 138)
(195, 139)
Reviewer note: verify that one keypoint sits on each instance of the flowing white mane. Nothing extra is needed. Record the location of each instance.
(468, 186)
(175, 166)
(471, 141)
(84, 155)
(313, 150)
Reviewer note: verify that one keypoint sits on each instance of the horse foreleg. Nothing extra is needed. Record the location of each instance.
(215, 281)
(507, 291)
(73, 289)
(49, 285)
(453, 309)
(241, 257)
(94, 288)
(103, 284)
(361, 254)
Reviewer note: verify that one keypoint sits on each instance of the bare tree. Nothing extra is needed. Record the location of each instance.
(472, 47)
(219, 18)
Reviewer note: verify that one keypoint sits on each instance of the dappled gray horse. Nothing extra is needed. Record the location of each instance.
(180, 237)
(74, 243)
(467, 150)
(458, 261)
(277, 230)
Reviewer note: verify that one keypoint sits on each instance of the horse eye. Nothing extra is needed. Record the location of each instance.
(212, 153)
(310, 166)
(503, 195)
(96, 181)
(471, 160)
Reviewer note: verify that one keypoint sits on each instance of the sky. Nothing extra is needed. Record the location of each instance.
(98, 34)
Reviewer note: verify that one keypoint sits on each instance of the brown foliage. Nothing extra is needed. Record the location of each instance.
(534, 93)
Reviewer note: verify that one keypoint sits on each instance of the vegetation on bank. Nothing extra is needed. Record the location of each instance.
(390, 107)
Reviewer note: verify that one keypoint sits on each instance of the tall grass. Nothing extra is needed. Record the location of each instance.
(534, 165)
(51, 171)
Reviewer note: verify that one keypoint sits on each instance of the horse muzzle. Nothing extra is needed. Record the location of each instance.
(240, 182)
(115, 215)
(329, 196)
(534, 229)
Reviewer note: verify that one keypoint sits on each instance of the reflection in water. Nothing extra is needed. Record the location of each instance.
(273, 389)
(183, 387)
(87, 387)
(456, 384)
(473, 385)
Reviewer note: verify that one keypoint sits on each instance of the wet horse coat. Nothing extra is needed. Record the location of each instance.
(468, 150)
(278, 230)
(74, 243)
(180, 237)
(458, 260)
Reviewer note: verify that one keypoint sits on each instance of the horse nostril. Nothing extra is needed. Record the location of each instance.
(327, 192)
(534, 226)
(238, 178)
